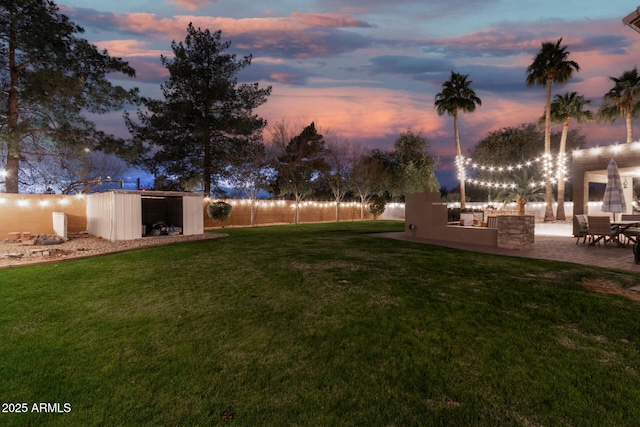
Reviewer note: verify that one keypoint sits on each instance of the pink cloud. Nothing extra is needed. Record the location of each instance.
(328, 20)
(145, 23)
(189, 4)
(353, 113)
(129, 48)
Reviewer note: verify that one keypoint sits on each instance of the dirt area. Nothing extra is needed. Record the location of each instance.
(610, 288)
(82, 245)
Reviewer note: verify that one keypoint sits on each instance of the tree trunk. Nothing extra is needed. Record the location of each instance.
(463, 196)
(548, 212)
(629, 120)
(13, 134)
(560, 215)
(337, 210)
(298, 200)
(253, 212)
(206, 171)
(521, 205)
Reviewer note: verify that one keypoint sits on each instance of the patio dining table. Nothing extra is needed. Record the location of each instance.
(626, 225)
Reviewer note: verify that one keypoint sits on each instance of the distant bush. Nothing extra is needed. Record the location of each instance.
(377, 205)
(219, 211)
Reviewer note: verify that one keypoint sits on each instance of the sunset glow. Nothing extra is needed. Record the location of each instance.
(370, 70)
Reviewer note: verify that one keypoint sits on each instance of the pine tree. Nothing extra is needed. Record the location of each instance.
(50, 78)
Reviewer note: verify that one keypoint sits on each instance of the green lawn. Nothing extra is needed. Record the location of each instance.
(317, 325)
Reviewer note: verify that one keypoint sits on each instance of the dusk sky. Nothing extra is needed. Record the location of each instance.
(367, 70)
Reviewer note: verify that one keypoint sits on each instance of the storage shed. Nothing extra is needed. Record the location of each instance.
(126, 215)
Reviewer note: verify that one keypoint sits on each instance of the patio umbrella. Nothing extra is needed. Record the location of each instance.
(613, 200)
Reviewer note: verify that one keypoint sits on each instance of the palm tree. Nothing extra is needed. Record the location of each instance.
(550, 65)
(623, 100)
(456, 96)
(523, 190)
(563, 109)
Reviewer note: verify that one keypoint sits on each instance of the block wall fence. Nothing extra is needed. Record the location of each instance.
(33, 213)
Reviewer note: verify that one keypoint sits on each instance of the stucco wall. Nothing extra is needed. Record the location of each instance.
(33, 213)
(283, 212)
(426, 218)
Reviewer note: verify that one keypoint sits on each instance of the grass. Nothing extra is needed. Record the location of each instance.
(317, 325)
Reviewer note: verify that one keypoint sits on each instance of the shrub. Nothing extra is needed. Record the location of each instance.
(219, 211)
(377, 205)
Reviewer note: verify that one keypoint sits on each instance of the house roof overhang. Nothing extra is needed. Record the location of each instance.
(633, 20)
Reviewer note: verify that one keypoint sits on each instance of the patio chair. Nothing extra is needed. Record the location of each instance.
(600, 229)
(629, 217)
(580, 228)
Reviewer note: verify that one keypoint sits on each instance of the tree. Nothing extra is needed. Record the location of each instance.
(206, 116)
(370, 175)
(457, 96)
(301, 164)
(413, 165)
(623, 100)
(337, 174)
(50, 78)
(219, 211)
(563, 109)
(377, 205)
(251, 173)
(550, 65)
(506, 148)
(523, 190)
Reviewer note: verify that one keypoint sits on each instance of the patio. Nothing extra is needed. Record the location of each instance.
(553, 241)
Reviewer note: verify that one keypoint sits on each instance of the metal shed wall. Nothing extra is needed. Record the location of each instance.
(115, 215)
(127, 214)
(192, 216)
(99, 214)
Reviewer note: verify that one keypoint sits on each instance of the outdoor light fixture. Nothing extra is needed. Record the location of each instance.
(633, 20)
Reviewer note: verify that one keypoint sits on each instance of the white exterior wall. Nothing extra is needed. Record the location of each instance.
(192, 216)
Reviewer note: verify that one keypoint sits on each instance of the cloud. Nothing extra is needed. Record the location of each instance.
(130, 48)
(189, 4)
(525, 38)
(301, 35)
(329, 20)
(355, 113)
(407, 65)
(275, 73)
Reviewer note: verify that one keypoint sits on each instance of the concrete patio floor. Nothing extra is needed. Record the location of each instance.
(553, 241)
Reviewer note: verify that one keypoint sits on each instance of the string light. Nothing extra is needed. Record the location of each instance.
(546, 160)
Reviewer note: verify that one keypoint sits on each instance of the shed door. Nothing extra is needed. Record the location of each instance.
(161, 209)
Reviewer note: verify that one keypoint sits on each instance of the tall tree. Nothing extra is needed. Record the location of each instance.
(251, 172)
(371, 175)
(623, 100)
(563, 109)
(550, 65)
(49, 78)
(456, 96)
(337, 175)
(414, 166)
(300, 165)
(206, 115)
